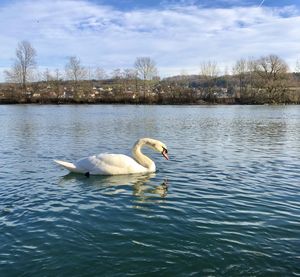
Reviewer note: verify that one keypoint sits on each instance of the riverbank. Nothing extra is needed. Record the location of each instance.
(172, 91)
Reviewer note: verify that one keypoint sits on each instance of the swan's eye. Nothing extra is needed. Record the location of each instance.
(165, 150)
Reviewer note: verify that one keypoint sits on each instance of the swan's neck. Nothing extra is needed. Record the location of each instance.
(140, 157)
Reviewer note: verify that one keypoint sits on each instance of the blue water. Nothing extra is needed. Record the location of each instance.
(227, 203)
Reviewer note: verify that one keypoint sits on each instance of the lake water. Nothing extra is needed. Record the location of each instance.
(227, 202)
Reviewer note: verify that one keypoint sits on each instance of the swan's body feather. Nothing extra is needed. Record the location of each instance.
(109, 164)
(117, 164)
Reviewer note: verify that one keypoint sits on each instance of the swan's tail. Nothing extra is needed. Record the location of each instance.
(67, 165)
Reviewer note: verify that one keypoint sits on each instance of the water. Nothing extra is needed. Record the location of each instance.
(227, 203)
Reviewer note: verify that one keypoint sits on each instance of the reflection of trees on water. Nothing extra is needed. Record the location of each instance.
(142, 186)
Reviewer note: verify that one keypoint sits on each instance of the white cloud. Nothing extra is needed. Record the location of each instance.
(177, 37)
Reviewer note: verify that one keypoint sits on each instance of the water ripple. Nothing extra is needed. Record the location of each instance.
(226, 204)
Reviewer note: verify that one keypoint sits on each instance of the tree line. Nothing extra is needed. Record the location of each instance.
(250, 81)
(22, 70)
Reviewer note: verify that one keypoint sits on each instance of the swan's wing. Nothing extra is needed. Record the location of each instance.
(110, 164)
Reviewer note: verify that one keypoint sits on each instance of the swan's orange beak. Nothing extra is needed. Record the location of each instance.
(165, 154)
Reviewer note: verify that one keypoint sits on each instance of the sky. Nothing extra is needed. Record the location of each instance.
(177, 35)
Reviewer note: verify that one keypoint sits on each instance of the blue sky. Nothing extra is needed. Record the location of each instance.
(139, 4)
(178, 35)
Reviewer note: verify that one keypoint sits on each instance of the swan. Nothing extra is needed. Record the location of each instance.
(117, 164)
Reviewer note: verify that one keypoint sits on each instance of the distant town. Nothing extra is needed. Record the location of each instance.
(265, 80)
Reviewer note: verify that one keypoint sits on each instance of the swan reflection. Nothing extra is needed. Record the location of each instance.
(142, 185)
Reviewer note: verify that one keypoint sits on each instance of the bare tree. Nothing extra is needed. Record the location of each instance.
(100, 74)
(47, 76)
(240, 70)
(130, 74)
(129, 80)
(251, 64)
(23, 65)
(57, 83)
(74, 70)
(58, 75)
(146, 70)
(145, 67)
(117, 74)
(271, 76)
(14, 74)
(297, 68)
(240, 67)
(209, 71)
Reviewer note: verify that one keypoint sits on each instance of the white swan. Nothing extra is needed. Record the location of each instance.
(116, 164)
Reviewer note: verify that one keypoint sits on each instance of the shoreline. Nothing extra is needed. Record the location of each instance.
(143, 104)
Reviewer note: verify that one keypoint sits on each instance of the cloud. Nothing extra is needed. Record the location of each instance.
(178, 37)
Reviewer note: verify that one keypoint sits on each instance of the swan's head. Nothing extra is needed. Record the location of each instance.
(157, 146)
(164, 151)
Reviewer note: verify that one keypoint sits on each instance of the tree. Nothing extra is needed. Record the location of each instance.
(74, 70)
(47, 76)
(24, 64)
(297, 68)
(209, 71)
(243, 70)
(57, 81)
(240, 70)
(117, 74)
(58, 75)
(100, 74)
(129, 74)
(251, 64)
(271, 76)
(145, 69)
(129, 80)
